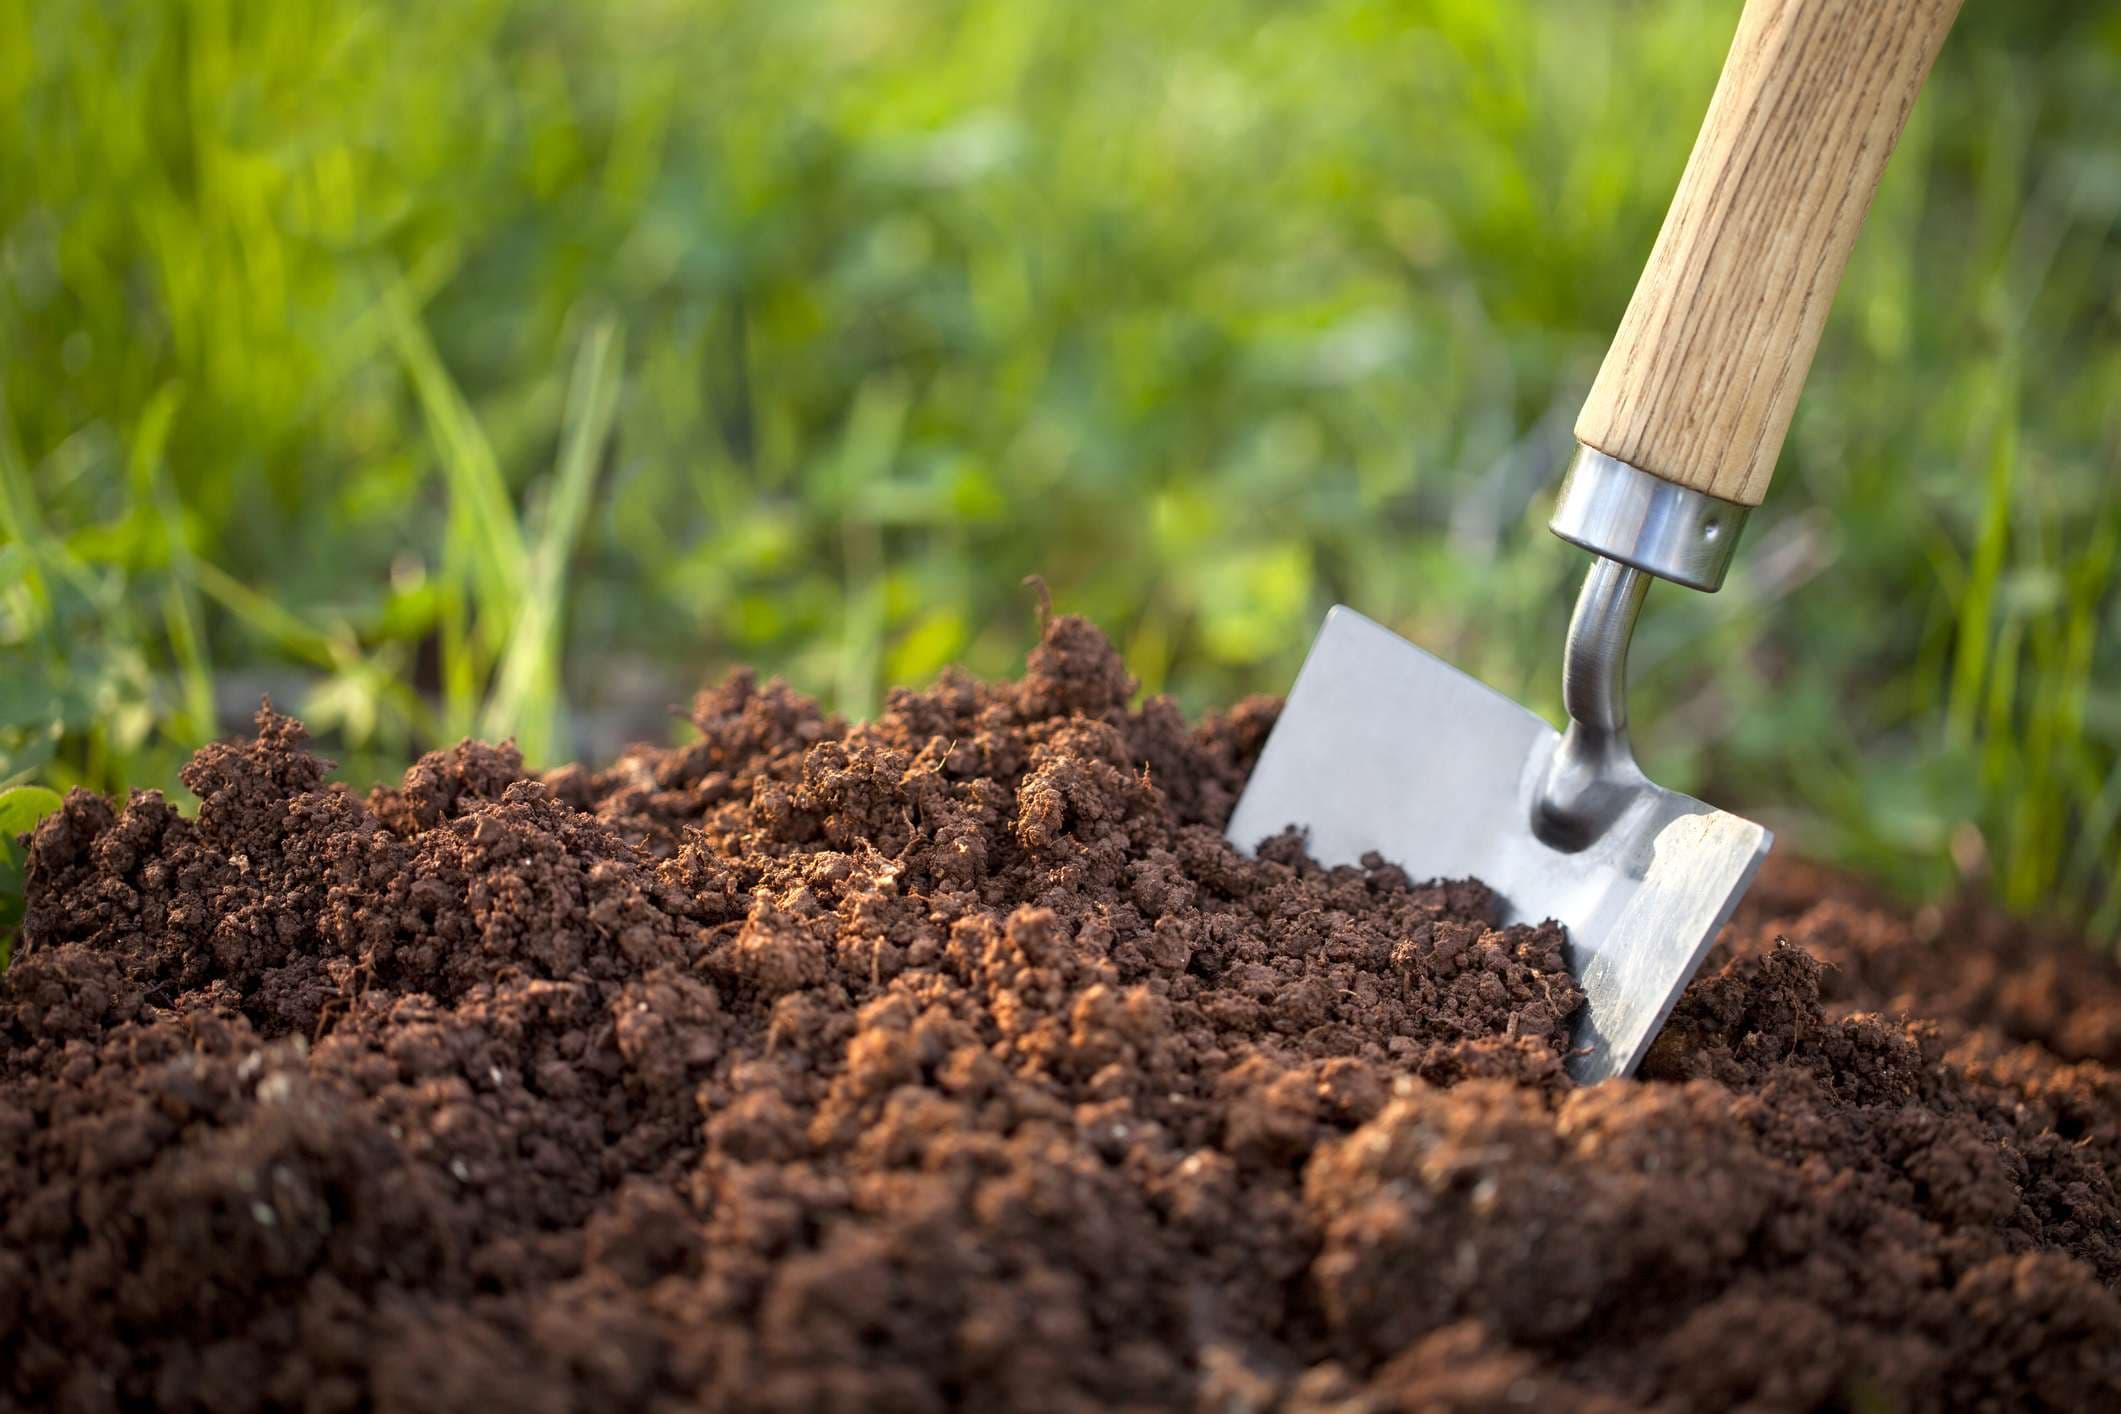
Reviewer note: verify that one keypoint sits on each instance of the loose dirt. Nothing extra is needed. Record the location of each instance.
(953, 1061)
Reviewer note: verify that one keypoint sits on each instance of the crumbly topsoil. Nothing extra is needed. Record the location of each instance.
(953, 1061)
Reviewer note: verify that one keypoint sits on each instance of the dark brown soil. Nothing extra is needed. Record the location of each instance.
(953, 1061)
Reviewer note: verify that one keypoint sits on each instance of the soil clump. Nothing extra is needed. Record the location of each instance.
(954, 1061)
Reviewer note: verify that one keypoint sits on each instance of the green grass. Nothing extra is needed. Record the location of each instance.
(501, 367)
(21, 807)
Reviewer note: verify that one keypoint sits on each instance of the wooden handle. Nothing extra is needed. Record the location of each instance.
(1704, 373)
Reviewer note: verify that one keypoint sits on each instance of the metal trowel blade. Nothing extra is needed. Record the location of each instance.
(1384, 748)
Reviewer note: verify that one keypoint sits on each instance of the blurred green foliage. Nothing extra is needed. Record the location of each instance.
(487, 367)
(21, 807)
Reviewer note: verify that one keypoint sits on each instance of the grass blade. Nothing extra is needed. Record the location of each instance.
(485, 541)
(526, 697)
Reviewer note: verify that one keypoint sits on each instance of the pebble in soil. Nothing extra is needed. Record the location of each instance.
(954, 1061)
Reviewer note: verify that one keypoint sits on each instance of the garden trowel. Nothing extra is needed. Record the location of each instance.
(1383, 749)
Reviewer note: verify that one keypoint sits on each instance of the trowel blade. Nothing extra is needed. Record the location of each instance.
(1384, 748)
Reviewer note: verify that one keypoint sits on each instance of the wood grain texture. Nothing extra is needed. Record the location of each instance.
(1702, 377)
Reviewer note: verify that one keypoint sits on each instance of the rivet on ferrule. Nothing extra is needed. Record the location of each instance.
(1618, 510)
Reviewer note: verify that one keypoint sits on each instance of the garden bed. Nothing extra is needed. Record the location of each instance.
(953, 1061)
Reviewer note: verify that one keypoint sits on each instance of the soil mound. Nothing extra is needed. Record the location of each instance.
(953, 1061)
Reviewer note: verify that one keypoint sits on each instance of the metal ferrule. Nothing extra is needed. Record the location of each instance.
(1620, 511)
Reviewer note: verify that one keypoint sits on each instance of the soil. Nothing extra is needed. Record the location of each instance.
(954, 1061)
